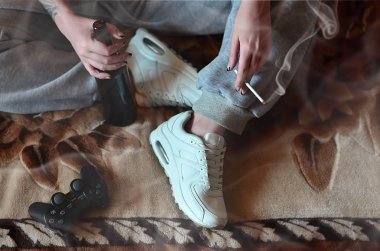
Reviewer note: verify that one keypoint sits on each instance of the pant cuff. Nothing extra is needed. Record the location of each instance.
(222, 111)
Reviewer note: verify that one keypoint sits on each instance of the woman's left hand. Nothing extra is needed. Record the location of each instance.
(251, 40)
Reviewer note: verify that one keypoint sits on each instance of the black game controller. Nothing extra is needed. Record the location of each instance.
(89, 192)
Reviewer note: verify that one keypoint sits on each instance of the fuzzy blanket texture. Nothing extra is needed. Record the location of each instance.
(304, 176)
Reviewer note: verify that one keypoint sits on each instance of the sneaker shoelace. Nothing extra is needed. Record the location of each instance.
(215, 161)
(162, 99)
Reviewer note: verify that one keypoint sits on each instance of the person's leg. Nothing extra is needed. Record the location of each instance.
(191, 143)
(293, 24)
(39, 69)
(160, 77)
(41, 72)
(181, 16)
(199, 160)
(194, 164)
(220, 102)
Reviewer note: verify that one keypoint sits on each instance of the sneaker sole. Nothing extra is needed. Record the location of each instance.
(174, 181)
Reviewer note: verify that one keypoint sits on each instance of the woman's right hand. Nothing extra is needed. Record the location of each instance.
(95, 56)
(251, 41)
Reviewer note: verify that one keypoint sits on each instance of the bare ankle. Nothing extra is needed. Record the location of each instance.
(200, 125)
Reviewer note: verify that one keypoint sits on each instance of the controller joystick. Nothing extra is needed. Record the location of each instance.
(76, 185)
(57, 199)
(88, 192)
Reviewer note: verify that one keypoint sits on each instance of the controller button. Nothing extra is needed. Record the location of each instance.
(62, 212)
(77, 185)
(53, 212)
(51, 220)
(61, 222)
(58, 198)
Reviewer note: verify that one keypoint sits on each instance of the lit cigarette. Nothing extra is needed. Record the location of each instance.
(252, 90)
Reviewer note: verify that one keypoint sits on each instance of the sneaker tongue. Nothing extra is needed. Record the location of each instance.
(213, 140)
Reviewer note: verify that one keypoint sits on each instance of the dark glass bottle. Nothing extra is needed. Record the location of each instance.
(119, 106)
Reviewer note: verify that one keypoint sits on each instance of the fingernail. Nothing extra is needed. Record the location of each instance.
(228, 68)
(243, 91)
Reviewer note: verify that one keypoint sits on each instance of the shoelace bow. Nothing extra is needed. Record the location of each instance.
(215, 161)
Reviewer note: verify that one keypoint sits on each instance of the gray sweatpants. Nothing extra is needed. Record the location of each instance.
(41, 72)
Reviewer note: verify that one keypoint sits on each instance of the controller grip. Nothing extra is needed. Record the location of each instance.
(37, 211)
(99, 194)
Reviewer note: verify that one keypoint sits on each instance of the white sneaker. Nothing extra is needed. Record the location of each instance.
(194, 167)
(161, 78)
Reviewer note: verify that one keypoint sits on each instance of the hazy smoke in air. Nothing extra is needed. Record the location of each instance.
(327, 23)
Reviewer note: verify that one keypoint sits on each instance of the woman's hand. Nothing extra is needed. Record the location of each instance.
(95, 56)
(251, 40)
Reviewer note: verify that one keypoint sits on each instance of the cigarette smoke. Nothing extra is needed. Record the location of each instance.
(327, 23)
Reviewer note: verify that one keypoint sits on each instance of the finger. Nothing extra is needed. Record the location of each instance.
(262, 59)
(234, 52)
(107, 60)
(96, 73)
(243, 67)
(103, 67)
(104, 50)
(253, 68)
(264, 50)
(244, 90)
(257, 64)
(115, 32)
